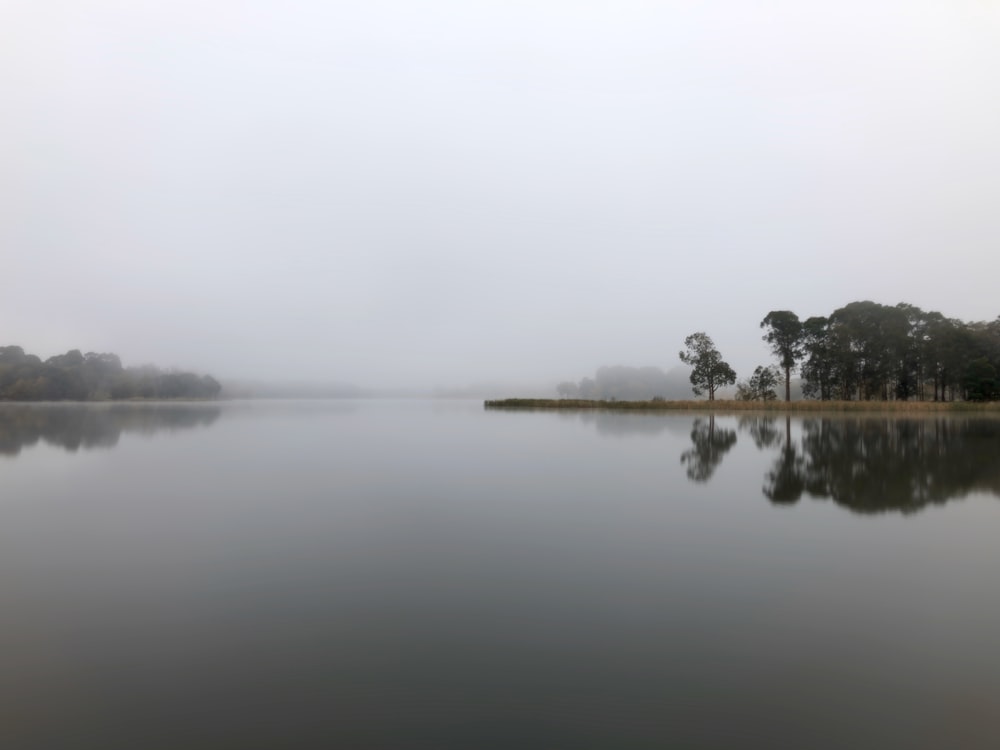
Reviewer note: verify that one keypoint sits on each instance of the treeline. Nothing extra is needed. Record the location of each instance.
(863, 351)
(868, 351)
(74, 376)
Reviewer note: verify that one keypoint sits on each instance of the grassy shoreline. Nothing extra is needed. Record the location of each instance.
(743, 406)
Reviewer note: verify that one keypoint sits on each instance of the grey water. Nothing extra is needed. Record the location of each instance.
(420, 574)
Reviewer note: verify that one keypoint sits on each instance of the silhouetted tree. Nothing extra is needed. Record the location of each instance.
(709, 371)
(818, 369)
(760, 386)
(784, 334)
(865, 350)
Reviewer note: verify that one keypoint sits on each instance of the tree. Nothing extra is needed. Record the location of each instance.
(784, 334)
(870, 344)
(865, 350)
(817, 371)
(980, 381)
(763, 382)
(760, 386)
(709, 371)
(11, 355)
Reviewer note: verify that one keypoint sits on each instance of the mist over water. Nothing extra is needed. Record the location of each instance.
(343, 202)
(430, 574)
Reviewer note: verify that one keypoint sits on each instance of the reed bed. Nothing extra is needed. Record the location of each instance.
(723, 405)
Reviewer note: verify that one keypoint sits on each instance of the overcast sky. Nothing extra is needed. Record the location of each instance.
(434, 192)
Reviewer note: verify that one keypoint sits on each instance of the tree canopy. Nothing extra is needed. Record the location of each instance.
(868, 351)
(709, 371)
(784, 334)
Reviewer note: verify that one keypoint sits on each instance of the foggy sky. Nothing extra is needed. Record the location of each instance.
(433, 192)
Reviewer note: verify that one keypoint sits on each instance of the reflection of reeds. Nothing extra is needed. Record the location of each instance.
(743, 406)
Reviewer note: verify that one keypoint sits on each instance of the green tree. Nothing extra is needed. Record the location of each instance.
(817, 370)
(709, 371)
(865, 350)
(760, 386)
(784, 334)
(910, 354)
(980, 381)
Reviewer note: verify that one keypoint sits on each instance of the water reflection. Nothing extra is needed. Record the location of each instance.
(94, 425)
(610, 423)
(783, 483)
(710, 445)
(763, 430)
(876, 464)
(619, 424)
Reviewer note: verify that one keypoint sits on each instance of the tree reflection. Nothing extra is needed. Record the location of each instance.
(877, 465)
(783, 484)
(93, 426)
(763, 430)
(711, 444)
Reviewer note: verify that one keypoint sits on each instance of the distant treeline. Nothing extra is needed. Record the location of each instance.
(622, 383)
(74, 376)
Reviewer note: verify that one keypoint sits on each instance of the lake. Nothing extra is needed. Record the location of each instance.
(431, 574)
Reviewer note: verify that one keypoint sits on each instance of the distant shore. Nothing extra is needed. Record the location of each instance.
(725, 405)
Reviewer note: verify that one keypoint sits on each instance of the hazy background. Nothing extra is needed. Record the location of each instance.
(437, 193)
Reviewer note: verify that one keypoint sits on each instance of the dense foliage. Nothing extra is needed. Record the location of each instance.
(868, 351)
(760, 386)
(92, 377)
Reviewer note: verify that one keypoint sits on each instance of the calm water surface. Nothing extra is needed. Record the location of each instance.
(432, 575)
